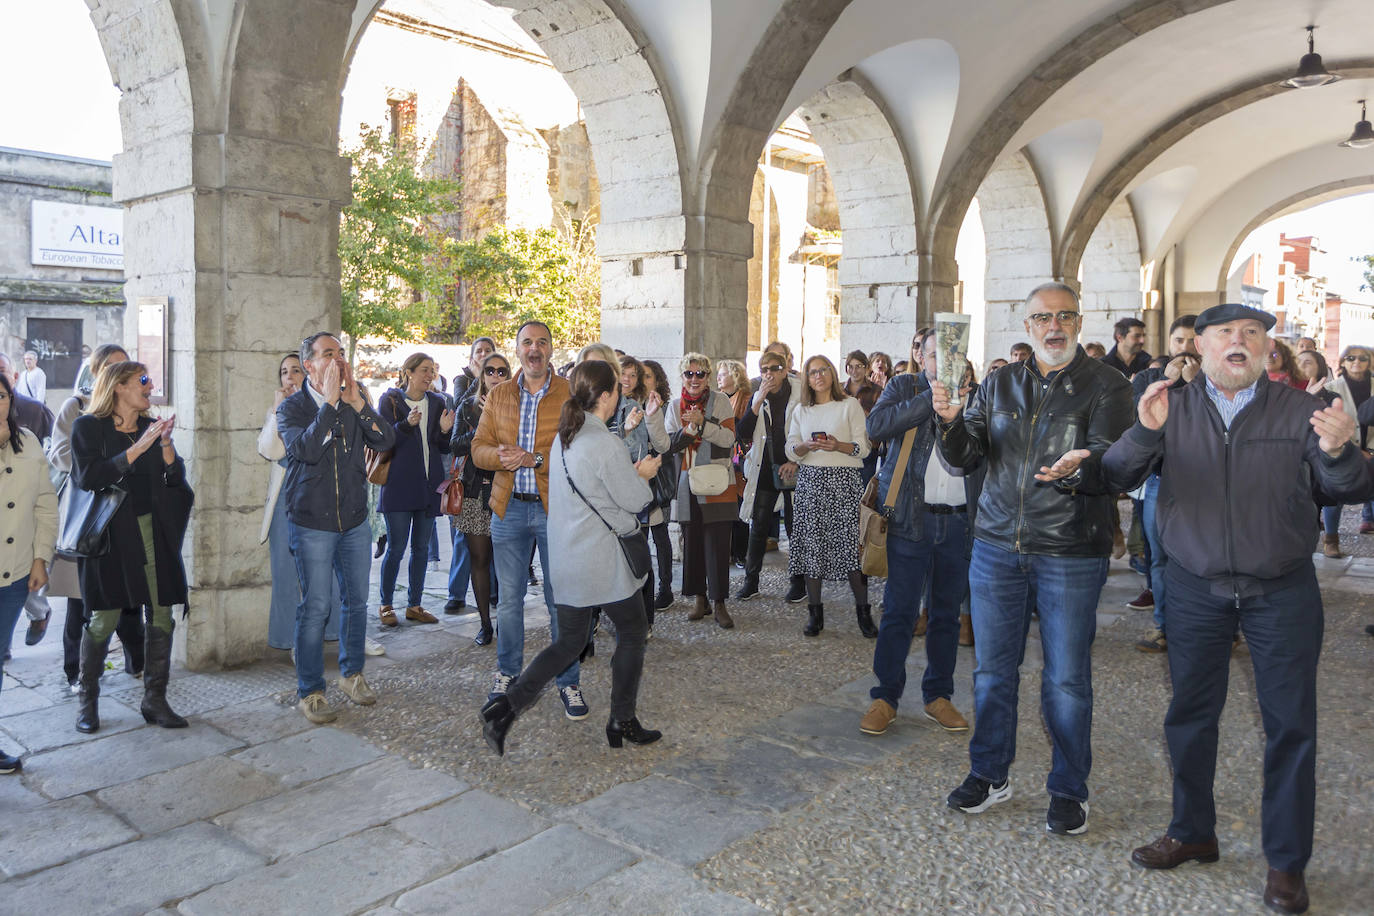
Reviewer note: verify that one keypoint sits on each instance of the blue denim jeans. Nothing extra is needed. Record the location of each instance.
(937, 560)
(460, 565)
(406, 529)
(1158, 561)
(1066, 591)
(525, 525)
(12, 598)
(286, 587)
(317, 555)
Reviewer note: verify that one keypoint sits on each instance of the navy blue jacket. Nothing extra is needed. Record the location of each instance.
(326, 474)
(905, 403)
(411, 487)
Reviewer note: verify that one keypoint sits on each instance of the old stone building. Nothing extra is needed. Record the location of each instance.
(61, 262)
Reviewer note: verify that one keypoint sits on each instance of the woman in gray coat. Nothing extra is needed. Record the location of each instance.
(595, 495)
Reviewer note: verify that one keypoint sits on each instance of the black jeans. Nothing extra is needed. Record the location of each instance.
(761, 520)
(663, 555)
(1284, 632)
(574, 629)
(705, 556)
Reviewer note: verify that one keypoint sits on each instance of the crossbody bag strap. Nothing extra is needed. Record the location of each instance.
(564, 458)
(902, 458)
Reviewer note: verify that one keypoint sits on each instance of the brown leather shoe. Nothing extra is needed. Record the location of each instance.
(700, 610)
(420, 615)
(1331, 546)
(1167, 852)
(723, 618)
(1286, 891)
(387, 616)
(879, 716)
(965, 629)
(942, 712)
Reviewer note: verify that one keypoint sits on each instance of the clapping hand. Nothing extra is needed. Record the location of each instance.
(1334, 427)
(352, 391)
(331, 381)
(652, 403)
(693, 418)
(413, 418)
(1066, 465)
(446, 421)
(648, 466)
(1153, 408)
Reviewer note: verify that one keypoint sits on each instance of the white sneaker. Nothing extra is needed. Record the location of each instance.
(372, 647)
(357, 689)
(434, 566)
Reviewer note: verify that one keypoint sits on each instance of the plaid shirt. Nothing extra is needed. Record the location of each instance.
(1229, 407)
(529, 422)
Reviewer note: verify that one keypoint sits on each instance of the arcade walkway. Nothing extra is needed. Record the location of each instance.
(763, 796)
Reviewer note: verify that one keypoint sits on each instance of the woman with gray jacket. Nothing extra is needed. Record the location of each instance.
(595, 496)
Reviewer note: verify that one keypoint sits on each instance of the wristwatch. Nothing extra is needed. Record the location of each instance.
(538, 461)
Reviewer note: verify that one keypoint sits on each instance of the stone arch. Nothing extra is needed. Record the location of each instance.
(1110, 288)
(631, 126)
(981, 153)
(1095, 204)
(1020, 253)
(878, 267)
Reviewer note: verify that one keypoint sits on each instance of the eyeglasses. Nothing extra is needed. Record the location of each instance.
(497, 370)
(817, 373)
(694, 373)
(770, 368)
(1042, 319)
(1356, 359)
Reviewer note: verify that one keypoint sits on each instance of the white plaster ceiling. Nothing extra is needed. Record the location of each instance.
(1062, 159)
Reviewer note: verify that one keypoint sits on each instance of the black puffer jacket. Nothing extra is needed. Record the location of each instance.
(1019, 422)
(1237, 506)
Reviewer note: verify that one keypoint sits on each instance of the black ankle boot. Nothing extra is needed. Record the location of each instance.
(630, 730)
(864, 613)
(381, 547)
(157, 667)
(796, 590)
(92, 664)
(497, 718)
(815, 620)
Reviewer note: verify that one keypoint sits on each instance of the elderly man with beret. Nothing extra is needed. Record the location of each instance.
(1241, 460)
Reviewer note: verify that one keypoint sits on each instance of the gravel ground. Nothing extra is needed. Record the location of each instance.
(877, 836)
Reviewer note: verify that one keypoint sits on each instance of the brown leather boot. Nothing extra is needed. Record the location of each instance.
(723, 618)
(965, 629)
(700, 610)
(1331, 546)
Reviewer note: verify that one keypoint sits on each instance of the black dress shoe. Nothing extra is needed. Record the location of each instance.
(1286, 891)
(497, 718)
(484, 636)
(37, 630)
(1167, 852)
(663, 599)
(381, 547)
(455, 606)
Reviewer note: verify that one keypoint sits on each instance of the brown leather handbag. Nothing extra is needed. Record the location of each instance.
(378, 464)
(451, 490)
(873, 518)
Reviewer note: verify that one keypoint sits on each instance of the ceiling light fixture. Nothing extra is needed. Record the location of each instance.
(1310, 70)
(1364, 132)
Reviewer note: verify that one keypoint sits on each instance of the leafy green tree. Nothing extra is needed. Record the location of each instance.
(1366, 261)
(393, 271)
(517, 274)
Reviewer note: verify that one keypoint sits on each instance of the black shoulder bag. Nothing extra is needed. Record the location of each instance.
(634, 545)
(84, 518)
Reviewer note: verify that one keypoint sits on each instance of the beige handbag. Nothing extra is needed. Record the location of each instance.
(708, 479)
(872, 522)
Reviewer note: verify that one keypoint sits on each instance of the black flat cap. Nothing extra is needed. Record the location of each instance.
(1232, 311)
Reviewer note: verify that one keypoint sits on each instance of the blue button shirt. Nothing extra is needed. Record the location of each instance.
(1229, 407)
(529, 426)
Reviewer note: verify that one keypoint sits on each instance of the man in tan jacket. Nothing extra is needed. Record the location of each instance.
(513, 439)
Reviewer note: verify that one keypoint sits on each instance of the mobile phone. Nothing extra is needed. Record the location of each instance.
(819, 437)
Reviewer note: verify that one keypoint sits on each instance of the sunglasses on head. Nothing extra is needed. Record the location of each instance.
(496, 370)
(694, 373)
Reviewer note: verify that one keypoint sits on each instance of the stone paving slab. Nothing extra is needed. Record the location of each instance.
(540, 871)
(121, 758)
(135, 877)
(309, 755)
(15, 796)
(58, 832)
(757, 773)
(650, 888)
(19, 699)
(194, 792)
(337, 878)
(833, 732)
(258, 721)
(55, 726)
(193, 694)
(472, 826)
(680, 823)
(340, 805)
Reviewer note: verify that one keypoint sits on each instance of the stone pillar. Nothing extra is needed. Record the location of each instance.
(716, 314)
(1111, 276)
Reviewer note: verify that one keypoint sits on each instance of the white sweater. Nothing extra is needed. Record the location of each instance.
(843, 420)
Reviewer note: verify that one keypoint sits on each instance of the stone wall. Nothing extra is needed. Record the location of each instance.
(1111, 276)
(1019, 250)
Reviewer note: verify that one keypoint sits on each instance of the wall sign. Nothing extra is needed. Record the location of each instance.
(74, 235)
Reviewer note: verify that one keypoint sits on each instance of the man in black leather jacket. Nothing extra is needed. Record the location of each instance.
(1044, 522)
(1241, 460)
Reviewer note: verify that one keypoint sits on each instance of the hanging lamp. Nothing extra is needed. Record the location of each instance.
(1311, 71)
(1363, 134)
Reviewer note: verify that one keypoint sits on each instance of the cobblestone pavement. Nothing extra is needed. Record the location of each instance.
(762, 797)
